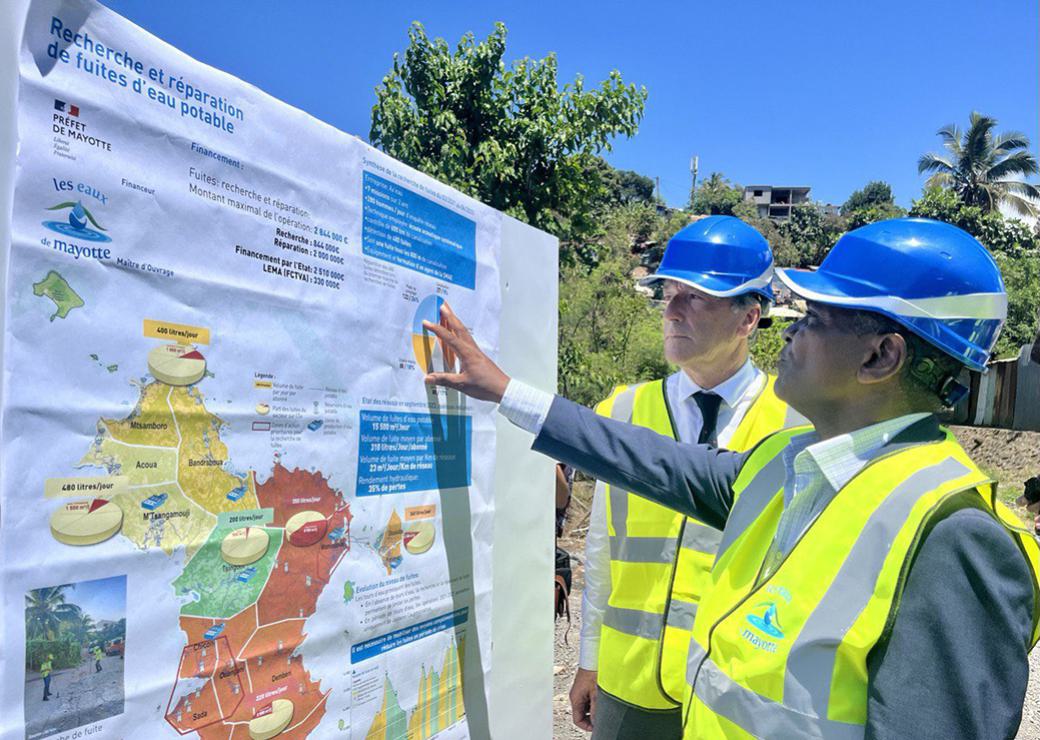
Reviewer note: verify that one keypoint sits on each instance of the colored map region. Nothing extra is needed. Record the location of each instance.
(55, 287)
(243, 606)
(439, 704)
(170, 443)
(389, 542)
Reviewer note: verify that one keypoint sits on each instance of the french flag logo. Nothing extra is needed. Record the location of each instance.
(63, 107)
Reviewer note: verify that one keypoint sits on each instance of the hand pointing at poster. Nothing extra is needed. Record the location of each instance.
(478, 376)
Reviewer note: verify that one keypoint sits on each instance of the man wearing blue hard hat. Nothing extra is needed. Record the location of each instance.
(868, 583)
(645, 564)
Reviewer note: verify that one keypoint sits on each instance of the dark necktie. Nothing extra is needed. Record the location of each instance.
(708, 403)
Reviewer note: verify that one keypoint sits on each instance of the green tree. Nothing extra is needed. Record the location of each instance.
(810, 234)
(47, 612)
(634, 188)
(873, 203)
(610, 333)
(507, 135)
(1015, 247)
(716, 196)
(983, 168)
(999, 234)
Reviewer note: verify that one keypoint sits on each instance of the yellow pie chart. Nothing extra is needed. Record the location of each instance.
(245, 545)
(419, 536)
(271, 724)
(86, 522)
(176, 364)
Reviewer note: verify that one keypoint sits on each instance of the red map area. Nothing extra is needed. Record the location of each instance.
(227, 691)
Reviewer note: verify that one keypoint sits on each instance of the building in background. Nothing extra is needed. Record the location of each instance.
(776, 201)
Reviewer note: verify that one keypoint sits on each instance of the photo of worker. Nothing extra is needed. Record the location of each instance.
(75, 637)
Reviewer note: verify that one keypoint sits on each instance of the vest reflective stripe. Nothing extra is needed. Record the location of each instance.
(787, 657)
(763, 717)
(700, 537)
(751, 501)
(681, 614)
(807, 685)
(659, 562)
(643, 549)
(633, 622)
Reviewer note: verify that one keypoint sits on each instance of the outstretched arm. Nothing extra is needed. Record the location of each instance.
(695, 480)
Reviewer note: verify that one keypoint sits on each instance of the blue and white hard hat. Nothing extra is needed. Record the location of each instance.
(934, 279)
(720, 255)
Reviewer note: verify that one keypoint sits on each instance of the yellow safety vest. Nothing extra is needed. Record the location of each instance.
(660, 560)
(45, 668)
(786, 656)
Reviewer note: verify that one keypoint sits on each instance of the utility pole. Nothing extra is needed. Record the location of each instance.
(694, 163)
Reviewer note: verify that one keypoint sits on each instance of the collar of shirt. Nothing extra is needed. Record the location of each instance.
(731, 390)
(840, 458)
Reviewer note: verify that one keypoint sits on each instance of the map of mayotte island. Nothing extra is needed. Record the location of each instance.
(246, 591)
(55, 287)
(239, 677)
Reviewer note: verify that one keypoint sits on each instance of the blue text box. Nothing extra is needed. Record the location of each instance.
(404, 228)
(402, 452)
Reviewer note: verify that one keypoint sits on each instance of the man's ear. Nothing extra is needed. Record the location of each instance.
(750, 320)
(886, 356)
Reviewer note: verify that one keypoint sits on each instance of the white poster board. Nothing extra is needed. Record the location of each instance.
(216, 443)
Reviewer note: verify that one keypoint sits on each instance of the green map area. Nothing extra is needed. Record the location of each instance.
(55, 287)
(224, 590)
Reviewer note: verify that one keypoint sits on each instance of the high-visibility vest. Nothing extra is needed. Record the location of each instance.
(659, 561)
(784, 654)
(45, 668)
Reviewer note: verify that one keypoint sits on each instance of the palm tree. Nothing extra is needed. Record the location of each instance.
(985, 168)
(46, 611)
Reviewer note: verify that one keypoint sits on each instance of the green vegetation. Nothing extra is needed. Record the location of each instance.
(512, 138)
(214, 584)
(507, 135)
(58, 627)
(983, 168)
(55, 287)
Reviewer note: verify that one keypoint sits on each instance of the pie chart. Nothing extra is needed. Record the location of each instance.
(245, 545)
(306, 528)
(272, 722)
(176, 364)
(86, 522)
(419, 536)
(430, 352)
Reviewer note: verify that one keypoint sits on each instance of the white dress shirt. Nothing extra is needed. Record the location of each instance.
(528, 408)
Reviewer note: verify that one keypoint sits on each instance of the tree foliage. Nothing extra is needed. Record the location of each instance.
(1015, 247)
(716, 196)
(874, 202)
(507, 135)
(983, 168)
(609, 332)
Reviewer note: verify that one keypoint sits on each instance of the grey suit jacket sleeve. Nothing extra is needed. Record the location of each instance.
(696, 480)
(955, 665)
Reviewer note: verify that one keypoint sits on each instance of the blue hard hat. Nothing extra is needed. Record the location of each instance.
(934, 279)
(720, 255)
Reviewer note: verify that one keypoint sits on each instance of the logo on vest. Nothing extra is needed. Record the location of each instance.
(766, 620)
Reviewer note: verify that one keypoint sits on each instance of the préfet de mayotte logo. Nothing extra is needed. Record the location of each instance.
(76, 226)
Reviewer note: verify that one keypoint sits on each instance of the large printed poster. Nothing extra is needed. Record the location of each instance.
(230, 506)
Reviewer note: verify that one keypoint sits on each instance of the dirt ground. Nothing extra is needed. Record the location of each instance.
(1010, 457)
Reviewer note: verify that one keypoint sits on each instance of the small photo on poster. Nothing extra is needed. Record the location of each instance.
(75, 638)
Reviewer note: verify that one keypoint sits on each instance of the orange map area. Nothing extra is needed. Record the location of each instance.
(249, 662)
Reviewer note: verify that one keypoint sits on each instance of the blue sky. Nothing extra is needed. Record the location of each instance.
(103, 598)
(824, 94)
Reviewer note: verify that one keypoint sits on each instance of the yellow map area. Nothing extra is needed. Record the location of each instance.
(169, 448)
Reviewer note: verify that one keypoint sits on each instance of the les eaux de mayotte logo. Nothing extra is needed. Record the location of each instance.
(76, 225)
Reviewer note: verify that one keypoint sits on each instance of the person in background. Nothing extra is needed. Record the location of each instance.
(645, 564)
(45, 670)
(98, 655)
